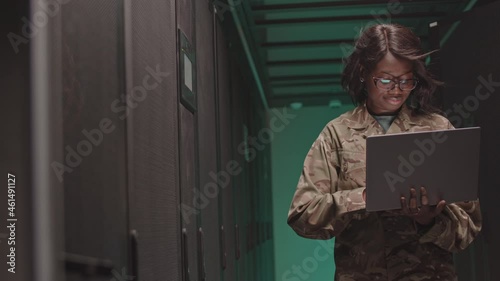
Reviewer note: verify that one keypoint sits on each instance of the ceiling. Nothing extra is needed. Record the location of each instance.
(298, 46)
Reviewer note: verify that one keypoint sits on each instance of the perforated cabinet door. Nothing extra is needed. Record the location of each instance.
(208, 149)
(95, 194)
(185, 17)
(226, 157)
(151, 64)
(240, 106)
(192, 202)
(188, 184)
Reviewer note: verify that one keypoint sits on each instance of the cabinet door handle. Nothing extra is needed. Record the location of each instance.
(201, 255)
(134, 252)
(237, 241)
(223, 247)
(185, 258)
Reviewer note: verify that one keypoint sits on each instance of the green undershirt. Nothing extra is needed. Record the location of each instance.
(384, 120)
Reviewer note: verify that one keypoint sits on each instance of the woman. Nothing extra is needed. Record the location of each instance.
(386, 76)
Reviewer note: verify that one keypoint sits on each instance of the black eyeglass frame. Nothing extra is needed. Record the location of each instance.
(396, 82)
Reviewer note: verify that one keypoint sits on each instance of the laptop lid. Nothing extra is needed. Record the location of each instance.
(445, 162)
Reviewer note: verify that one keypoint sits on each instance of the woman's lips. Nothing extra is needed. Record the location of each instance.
(394, 100)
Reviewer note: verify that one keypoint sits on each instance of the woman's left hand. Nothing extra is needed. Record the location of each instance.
(425, 214)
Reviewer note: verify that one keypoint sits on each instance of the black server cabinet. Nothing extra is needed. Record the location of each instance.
(191, 201)
(208, 231)
(152, 136)
(227, 164)
(471, 99)
(94, 144)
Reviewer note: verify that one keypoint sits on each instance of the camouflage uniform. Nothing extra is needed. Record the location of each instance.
(377, 245)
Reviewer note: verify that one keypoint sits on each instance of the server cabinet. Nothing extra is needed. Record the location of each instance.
(94, 148)
(208, 232)
(152, 136)
(190, 198)
(471, 99)
(239, 101)
(16, 146)
(227, 165)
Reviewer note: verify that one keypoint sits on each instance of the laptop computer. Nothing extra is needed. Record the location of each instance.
(445, 162)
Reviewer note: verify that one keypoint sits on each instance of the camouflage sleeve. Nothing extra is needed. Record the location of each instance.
(456, 227)
(318, 209)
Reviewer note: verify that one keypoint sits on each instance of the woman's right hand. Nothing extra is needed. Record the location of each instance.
(425, 214)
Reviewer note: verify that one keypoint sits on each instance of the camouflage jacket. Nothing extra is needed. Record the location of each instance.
(374, 245)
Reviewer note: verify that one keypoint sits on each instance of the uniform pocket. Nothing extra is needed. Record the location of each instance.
(353, 167)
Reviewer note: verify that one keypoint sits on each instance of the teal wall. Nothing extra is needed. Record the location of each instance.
(297, 258)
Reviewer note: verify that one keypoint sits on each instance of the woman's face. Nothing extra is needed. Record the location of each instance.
(388, 101)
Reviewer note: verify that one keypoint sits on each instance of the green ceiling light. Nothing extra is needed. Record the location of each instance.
(470, 5)
(335, 103)
(296, 105)
(251, 62)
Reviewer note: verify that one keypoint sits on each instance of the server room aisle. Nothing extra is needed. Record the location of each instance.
(161, 140)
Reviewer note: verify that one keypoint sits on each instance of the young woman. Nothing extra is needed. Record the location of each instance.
(387, 78)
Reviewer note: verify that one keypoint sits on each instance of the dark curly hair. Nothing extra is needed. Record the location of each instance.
(373, 44)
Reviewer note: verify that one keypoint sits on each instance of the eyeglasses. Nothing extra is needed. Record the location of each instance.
(390, 84)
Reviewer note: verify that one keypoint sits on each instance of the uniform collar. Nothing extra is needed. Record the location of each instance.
(361, 119)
